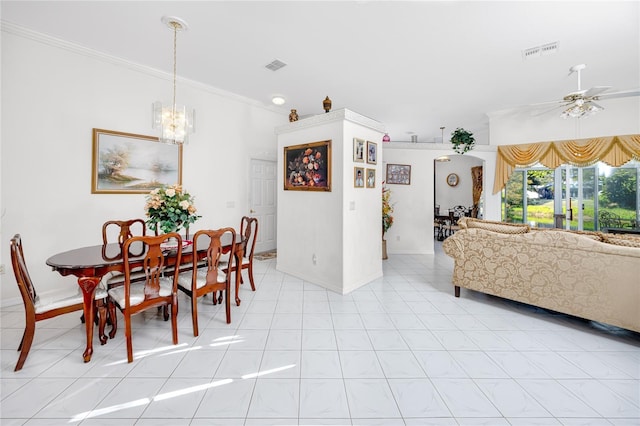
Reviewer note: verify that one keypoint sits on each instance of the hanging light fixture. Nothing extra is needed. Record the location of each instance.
(580, 108)
(173, 121)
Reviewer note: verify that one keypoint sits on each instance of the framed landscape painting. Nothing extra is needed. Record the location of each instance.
(125, 163)
(307, 167)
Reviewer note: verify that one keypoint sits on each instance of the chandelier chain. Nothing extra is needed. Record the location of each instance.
(175, 61)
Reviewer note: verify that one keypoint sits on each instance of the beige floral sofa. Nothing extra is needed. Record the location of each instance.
(591, 275)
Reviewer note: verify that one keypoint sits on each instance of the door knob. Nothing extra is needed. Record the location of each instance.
(251, 211)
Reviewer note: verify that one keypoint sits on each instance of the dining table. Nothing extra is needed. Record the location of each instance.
(90, 264)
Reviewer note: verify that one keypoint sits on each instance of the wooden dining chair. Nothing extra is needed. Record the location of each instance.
(118, 231)
(212, 277)
(125, 229)
(41, 308)
(156, 290)
(249, 232)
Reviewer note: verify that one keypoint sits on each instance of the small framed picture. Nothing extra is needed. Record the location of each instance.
(399, 174)
(371, 178)
(358, 150)
(358, 177)
(372, 152)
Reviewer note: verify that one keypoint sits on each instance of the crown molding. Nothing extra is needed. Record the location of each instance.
(337, 115)
(20, 31)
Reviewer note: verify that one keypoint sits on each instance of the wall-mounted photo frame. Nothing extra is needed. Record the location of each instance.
(399, 174)
(371, 178)
(358, 177)
(307, 167)
(358, 150)
(372, 152)
(126, 163)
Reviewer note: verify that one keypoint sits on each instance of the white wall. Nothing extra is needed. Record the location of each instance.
(462, 194)
(412, 230)
(332, 239)
(53, 95)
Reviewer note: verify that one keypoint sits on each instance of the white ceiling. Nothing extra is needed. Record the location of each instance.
(414, 66)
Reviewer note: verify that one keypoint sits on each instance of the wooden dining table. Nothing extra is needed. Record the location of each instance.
(90, 264)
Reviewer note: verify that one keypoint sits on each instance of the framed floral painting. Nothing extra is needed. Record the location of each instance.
(307, 167)
(125, 163)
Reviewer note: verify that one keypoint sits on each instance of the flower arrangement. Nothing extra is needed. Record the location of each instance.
(387, 209)
(170, 208)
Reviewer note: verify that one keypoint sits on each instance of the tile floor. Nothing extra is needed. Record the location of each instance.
(399, 351)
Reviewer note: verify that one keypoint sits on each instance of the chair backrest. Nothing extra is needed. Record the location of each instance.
(249, 232)
(27, 290)
(154, 262)
(215, 243)
(459, 211)
(125, 228)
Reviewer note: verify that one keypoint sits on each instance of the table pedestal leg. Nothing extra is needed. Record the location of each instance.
(88, 286)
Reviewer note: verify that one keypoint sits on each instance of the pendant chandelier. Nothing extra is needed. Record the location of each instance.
(174, 122)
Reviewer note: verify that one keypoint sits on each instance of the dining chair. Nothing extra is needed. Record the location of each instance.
(156, 290)
(249, 232)
(125, 228)
(41, 308)
(212, 277)
(119, 231)
(454, 214)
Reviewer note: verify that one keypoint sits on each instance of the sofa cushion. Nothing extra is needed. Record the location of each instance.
(489, 225)
(621, 240)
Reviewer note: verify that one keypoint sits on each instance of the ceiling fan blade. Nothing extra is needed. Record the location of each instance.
(623, 94)
(548, 110)
(596, 90)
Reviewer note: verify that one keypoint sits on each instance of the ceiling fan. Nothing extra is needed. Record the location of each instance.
(581, 103)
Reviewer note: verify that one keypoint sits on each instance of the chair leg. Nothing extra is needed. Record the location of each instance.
(165, 312)
(253, 286)
(127, 333)
(25, 344)
(102, 321)
(194, 313)
(227, 301)
(174, 319)
(114, 319)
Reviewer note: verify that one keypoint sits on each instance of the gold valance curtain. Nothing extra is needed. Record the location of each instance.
(613, 150)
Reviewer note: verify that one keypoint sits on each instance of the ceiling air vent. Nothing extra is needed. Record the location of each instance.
(275, 65)
(545, 49)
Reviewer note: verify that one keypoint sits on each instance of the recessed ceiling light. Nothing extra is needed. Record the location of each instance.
(278, 100)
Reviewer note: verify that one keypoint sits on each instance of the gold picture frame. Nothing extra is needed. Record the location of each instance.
(126, 163)
(371, 178)
(372, 153)
(358, 150)
(307, 167)
(358, 177)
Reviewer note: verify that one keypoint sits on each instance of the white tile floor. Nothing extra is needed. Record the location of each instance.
(399, 351)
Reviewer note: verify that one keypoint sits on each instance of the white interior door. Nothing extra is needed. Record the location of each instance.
(262, 203)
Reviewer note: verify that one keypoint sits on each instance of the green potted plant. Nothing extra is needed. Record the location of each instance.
(462, 140)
